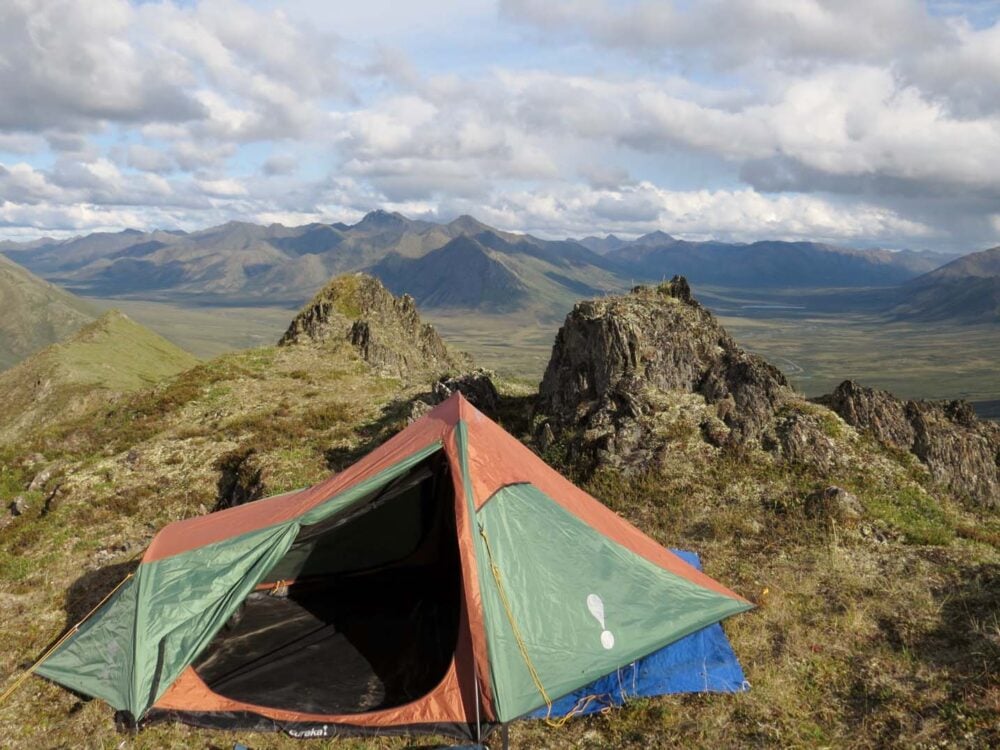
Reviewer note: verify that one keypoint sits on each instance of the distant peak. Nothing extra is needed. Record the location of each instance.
(657, 236)
(380, 218)
(468, 223)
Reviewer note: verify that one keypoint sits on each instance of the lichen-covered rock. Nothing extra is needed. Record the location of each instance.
(18, 506)
(476, 385)
(801, 438)
(961, 452)
(614, 355)
(879, 412)
(385, 330)
(834, 503)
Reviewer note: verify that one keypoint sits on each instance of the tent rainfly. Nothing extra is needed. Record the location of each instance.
(448, 582)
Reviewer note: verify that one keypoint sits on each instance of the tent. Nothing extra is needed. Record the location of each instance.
(448, 582)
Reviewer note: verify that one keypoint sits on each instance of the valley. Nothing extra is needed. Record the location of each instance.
(820, 312)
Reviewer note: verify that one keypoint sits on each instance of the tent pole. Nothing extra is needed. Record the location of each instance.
(479, 729)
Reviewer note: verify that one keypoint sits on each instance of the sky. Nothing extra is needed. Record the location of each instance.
(858, 122)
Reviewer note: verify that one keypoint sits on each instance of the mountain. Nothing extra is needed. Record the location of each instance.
(277, 265)
(238, 261)
(34, 313)
(770, 263)
(602, 245)
(966, 290)
(499, 273)
(876, 587)
(104, 359)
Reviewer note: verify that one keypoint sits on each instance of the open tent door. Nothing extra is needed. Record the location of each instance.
(360, 615)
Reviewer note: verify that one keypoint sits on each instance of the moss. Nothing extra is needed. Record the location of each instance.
(921, 518)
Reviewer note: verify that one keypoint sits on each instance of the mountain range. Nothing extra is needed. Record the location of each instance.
(463, 264)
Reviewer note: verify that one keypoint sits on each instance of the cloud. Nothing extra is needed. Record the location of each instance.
(734, 33)
(699, 214)
(67, 65)
(848, 121)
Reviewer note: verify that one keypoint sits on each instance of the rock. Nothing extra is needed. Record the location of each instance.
(834, 503)
(42, 478)
(879, 412)
(714, 432)
(241, 480)
(418, 409)
(799, 438)
(546, 438)
(613, 355)
(18, 506)
(385, 330)
(961, 452)
(477, 386)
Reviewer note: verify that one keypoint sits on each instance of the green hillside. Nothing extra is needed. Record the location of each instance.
(108, 357)
(34, 313)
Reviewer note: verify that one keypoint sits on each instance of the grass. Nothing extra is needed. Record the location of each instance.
(206, 331)
(880, 634)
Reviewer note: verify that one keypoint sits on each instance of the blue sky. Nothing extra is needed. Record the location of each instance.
(859, 123)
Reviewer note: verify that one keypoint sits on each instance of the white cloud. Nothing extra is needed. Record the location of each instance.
(847, 120)
(223, 188)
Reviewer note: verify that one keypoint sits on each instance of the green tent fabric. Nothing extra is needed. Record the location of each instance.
(553, 570)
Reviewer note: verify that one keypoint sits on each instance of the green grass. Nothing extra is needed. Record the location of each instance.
(919, 516)
(206, 331)
(857, 640)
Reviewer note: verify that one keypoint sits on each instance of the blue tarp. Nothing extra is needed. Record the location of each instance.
(698, 663)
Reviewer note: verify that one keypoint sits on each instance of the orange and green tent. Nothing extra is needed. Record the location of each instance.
(449, 582)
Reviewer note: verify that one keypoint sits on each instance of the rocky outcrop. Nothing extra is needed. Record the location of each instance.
(961, 452)
(385, 330)
(614, 358)
(476, 385)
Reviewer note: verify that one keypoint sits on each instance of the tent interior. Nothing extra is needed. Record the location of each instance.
(361, 614)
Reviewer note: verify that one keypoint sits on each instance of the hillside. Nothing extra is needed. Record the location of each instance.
(875, 586)
(34, 313)
(104, 359)
(965, 290)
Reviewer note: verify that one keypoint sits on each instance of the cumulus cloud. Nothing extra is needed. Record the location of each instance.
(848, 121)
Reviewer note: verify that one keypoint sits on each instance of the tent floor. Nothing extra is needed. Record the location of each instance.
(346, 647)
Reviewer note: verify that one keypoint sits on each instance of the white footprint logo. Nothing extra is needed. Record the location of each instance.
(596, 606)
